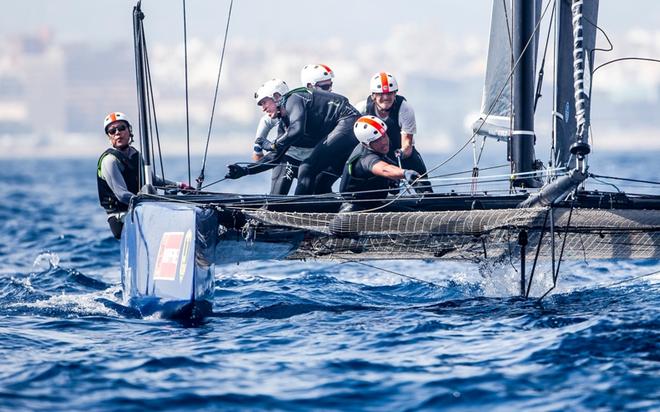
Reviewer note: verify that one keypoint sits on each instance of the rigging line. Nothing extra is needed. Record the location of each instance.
(646, 59)
(538, 250)
(200, 179)
(539, 82)
(624, 179)
(608, 184)
(631, 279)
(555, 275)
(604, 34)
(468, 171)
(211, 184)
(153, 105)
(540, 173)
(481, 179)
(492, 107)
(137, 30)
(185, 70)
(389, 271)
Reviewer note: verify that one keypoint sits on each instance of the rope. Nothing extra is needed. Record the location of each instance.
(185, 69)
(539, 82)
(390, 271)
(632, 279)
(625, 179)
(200, 178)
(646, 59)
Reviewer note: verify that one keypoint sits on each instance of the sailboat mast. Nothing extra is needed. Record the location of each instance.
(138, 36)
(581, 67)
(523, 137)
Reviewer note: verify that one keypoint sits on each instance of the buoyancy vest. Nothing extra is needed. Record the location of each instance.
(351, 183)
(130, 171)
(392, 122)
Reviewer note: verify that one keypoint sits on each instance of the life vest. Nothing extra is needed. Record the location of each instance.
(392, 122)
(130, 171)
(350, 183)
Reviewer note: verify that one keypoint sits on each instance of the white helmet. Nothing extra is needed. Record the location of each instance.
(383, 82)
(113, 117)
(269, 89)
(314, 73)
(369, 128)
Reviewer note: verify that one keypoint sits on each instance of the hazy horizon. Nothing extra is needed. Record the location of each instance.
(437, 50)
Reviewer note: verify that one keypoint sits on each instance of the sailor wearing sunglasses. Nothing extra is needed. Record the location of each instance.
(118, 171)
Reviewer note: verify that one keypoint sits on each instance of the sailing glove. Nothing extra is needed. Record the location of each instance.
(410, 175)
(236, 171)
(267, 145)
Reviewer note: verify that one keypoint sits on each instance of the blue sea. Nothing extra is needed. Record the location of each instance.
(322, 336)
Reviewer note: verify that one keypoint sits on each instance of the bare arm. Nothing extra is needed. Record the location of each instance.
(406, 144)
(387, 170)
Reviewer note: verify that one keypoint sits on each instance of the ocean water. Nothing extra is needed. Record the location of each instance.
(310, 335)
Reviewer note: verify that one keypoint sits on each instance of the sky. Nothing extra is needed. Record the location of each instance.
(415, 39)
(109, 20)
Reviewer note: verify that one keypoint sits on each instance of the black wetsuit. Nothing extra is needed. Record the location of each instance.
(320, 120)
(359, 183)
(414, 161)
(283, 175)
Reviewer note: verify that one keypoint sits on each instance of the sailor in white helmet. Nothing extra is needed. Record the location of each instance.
(312, 76)
(118, 171)
(386, 104)
(317, 76)
(311, 119)
(369, 174)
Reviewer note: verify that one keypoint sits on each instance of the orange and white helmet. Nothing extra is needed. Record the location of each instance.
(269, 88)
(369, 128)
(113, 117)
(314, 73)
(383, 82)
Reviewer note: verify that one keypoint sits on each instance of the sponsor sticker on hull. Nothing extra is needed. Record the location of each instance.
(168, 256)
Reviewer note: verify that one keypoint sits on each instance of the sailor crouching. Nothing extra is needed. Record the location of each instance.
(369, 174)
(118, 171)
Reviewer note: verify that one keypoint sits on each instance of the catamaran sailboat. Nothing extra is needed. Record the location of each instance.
(171, 243)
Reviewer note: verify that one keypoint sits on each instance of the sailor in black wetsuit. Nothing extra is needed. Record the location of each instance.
(369, 173)
(312, 76)
(399, 116)
(118, 171)
(310, 119)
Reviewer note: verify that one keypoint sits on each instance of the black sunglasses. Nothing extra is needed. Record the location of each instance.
(114, 130)
(325, 87)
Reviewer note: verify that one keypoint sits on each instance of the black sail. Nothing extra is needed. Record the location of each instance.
(565, 125)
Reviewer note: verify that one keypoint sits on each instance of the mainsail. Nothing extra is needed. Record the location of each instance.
(565, 126)
(496, 111)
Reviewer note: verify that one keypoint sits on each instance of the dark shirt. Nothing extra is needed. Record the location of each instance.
(358, 175)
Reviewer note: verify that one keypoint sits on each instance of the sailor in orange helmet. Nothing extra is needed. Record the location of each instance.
(369, 173)
(118, 171)
(386, 104)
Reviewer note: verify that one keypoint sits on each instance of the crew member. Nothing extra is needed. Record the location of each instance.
(369, 174)
(313, 119)
(118, 171)
(312, 76)
(386, 104)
